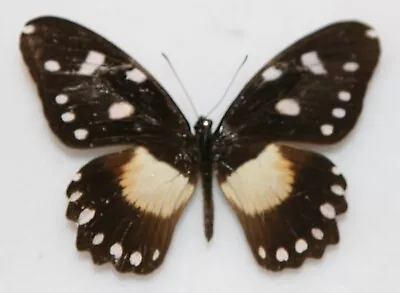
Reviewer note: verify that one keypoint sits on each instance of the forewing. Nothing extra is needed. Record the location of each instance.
(126, 206)
(287, 201)
(311, 92)
(94, 94)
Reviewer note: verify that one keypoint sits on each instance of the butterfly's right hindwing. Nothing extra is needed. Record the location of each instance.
(126, 206)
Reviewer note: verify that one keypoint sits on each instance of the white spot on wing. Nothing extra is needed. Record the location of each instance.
(336, 171)
(92, 62)
(28, 29)
(282, 254)
(68, 117)
(261, 183)
(301, 245)
(337, 189)
(317, 233)
(328, 211)
(52, 65)
(77, 177)
(136, 75)
(75, 196)
(344, 96)
(61, 99)
(311, 61)
(154, 186)
(288, 107)
(120, 110)
(339, 112)
(135, 258)
(327, 129)
(261, 252)
(351, 66)
(116, 250)
(371, 34)
(86, 216)
(98, 239)
(81, 133)
(156, 255)
(271, 73)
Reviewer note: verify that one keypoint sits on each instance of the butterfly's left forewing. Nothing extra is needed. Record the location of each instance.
(286, 198)
(126, 204)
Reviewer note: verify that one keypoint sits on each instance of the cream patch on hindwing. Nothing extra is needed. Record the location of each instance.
(92, 62)
(311, 61)
(120, 110)
(262, 183)
(152, 185)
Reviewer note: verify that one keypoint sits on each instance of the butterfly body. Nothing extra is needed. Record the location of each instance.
(127, 204)
(204, 138)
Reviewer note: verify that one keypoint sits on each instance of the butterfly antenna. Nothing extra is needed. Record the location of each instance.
(181, 83)
(229, 86)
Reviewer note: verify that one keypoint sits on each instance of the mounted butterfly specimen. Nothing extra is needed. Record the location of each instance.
(126, 204)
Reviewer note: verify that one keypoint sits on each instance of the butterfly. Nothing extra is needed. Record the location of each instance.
(126, 204)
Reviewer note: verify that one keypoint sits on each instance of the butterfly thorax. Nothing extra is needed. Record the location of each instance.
(204, 139)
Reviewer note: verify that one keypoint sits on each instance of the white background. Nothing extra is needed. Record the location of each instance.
(206, 40)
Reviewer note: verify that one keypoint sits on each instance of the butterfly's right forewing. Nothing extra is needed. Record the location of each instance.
(93, 94)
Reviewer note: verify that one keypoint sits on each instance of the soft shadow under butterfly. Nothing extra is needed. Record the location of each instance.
(127, 203)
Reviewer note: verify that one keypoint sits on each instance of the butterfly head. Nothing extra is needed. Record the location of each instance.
(203, 125)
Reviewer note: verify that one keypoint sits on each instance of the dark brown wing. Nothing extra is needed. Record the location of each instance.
(311, 92)
(93, 94)
(287, 199)
(126, 204)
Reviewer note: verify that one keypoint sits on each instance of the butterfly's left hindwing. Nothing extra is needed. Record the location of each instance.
(126, 204)
(287, 199)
